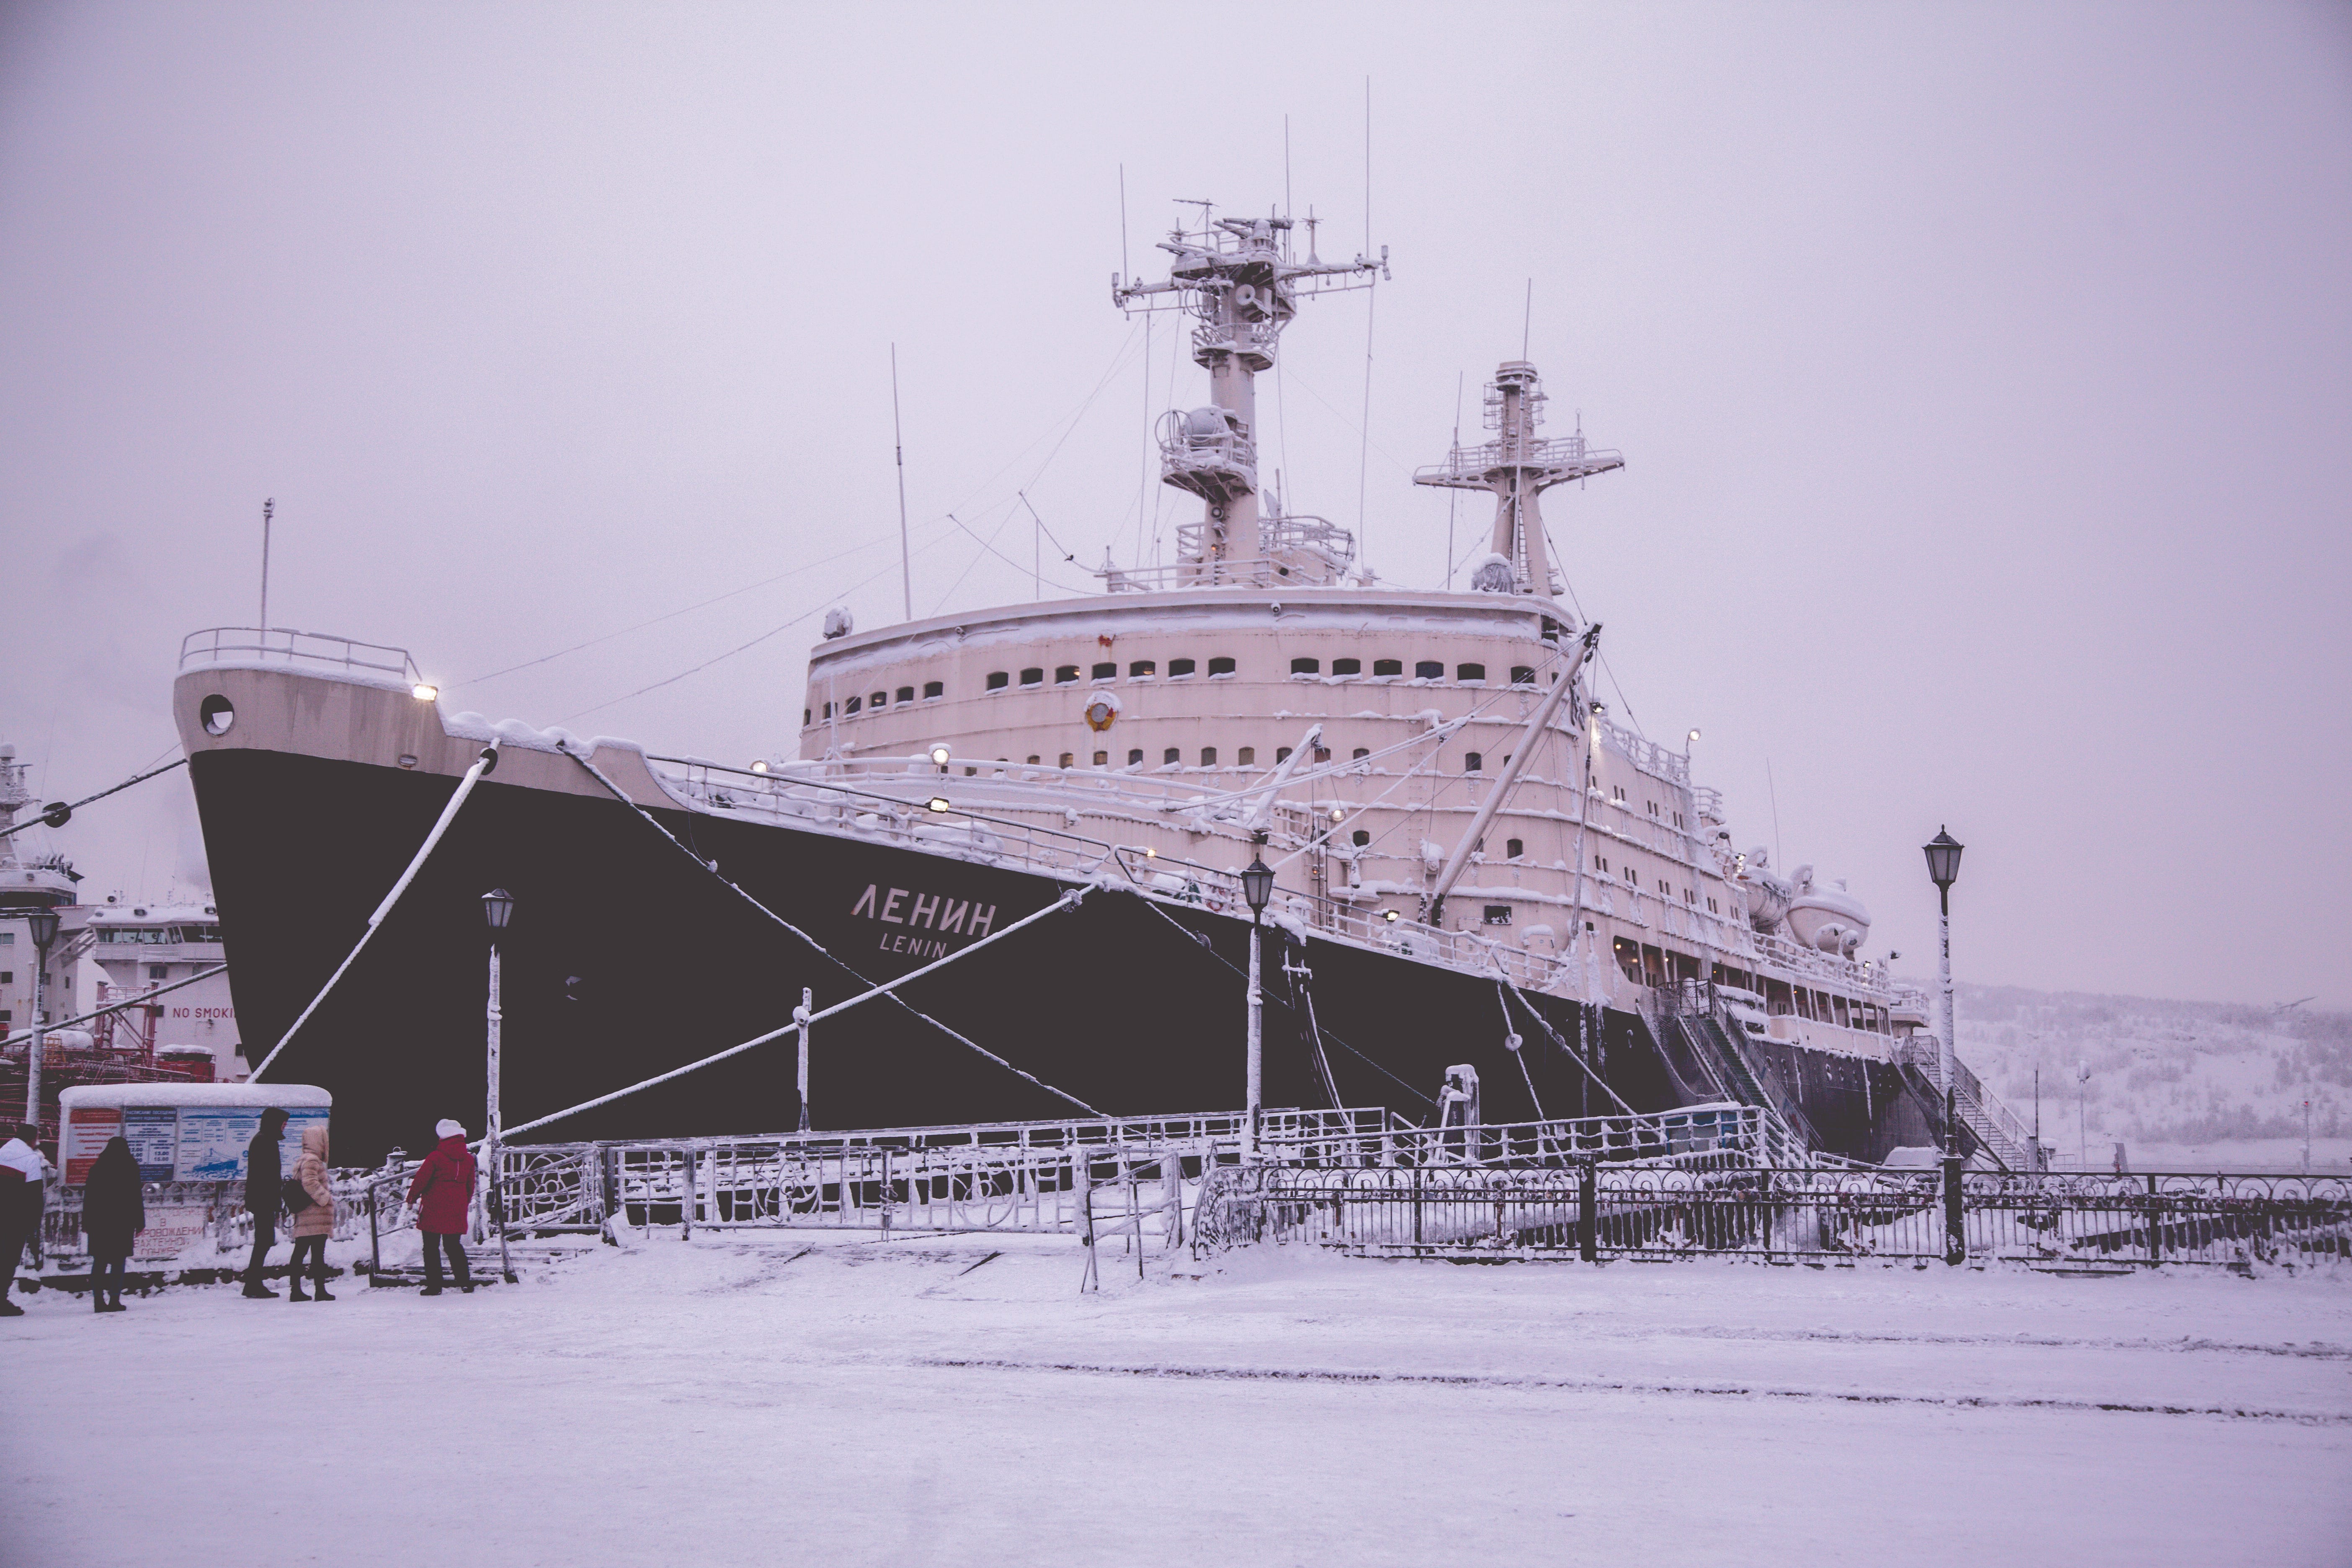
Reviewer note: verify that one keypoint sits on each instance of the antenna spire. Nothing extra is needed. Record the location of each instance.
(899, 448)
(268, 508)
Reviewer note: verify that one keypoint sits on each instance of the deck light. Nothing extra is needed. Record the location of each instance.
(758, 765)
(423, 693)
(1338, 814)
(1389, 916)
(940, 755)
(1150, 853)
(938, 802)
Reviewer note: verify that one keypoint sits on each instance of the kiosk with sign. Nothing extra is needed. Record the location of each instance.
(190, 1140)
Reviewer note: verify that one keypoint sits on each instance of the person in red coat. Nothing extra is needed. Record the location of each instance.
(442, 1191)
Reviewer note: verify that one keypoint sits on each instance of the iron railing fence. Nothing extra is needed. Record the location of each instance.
(1654, 1211)
(1751, 1132)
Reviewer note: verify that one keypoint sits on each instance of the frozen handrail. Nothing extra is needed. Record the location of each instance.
(254, 645)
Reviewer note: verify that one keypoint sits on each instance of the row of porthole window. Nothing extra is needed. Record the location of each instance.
(932, 692)
(1245, 757)
(1177, 669)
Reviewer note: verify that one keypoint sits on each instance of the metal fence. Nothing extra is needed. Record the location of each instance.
(1713, 1205)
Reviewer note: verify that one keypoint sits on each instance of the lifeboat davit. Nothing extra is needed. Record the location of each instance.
(1828, 917)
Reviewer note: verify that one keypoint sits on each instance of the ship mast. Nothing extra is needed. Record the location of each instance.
(1240, 278)
(1518, 466)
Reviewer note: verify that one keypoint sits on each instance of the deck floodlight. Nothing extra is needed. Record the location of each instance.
(940, 755)
(938, 802)
(498, 907)
(1389, 916)
(1944, 859)
(1338, 814)
(1257, 885)
(758, 765)
(422, 692)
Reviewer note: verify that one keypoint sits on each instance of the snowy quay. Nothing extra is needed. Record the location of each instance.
(766, 1396)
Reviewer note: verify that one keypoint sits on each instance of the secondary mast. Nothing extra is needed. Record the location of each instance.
(1518, 466)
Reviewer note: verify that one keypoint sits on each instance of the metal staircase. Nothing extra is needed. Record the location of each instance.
(1997, 1130)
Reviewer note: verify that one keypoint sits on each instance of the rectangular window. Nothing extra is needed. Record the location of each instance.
(159, 971)
(1388, 667)
(1141, 668)
(1033, 676)
(933, 688)
(1363, 838)
(1498, 915)
(1346, 666)
(1102, 759)
(1135, 758)
(1282, 753)
(1469, 673)
(1306, 666)
(1514, 849)
(998, 680)
(1064, 673)
(1428, 669)
(1221, 666)
(1362, 752)
(1600, 862)
(1246, 756)
(1208, 756)
(1177, 667)
(1322, 754)
(1108, 670)
(879, 699)
(1170, 757)
(805, 718)
(1474, 762)
(7, 977)
(1034, 760)
(1523, 675)
(1067, 759)
(905, 694)
(854, 704)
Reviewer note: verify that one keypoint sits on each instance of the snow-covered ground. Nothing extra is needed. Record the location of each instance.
(776, 1398)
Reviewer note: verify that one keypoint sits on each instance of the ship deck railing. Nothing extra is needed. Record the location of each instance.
(243, 645)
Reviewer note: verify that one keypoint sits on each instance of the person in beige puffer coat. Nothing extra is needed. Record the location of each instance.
(312, 1224)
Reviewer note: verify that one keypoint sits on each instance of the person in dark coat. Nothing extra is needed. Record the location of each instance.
(21, 1195)
(113, 1211)
(263, 1172)
(443, 1191)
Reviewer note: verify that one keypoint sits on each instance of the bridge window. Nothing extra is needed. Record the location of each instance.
(1498, 915)
(1523, 675)
(1306, 666)
(934, 688)
(1363, 838)
(1141, 668)
(854, 704)
(1428, 669)
(1282, 753)
(1177, 667)
(1170, 757)
(828, 710)
(879, 699)
(1064, 673)
(1034, 760)
(1221, 666)
(1469, 673)
(1246, 756)
(1474, 762)
(805, 718)
(1102, 759)
(1208, 756)
(1107, 671)
(1388, 667)
(1067, 759)
(905, 694)
(1513, 848)
(1346, 666)
(1033, 676)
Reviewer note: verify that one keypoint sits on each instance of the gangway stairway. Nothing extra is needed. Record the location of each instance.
(1996, 1133)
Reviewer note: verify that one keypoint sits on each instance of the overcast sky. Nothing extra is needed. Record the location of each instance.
(1983, 374)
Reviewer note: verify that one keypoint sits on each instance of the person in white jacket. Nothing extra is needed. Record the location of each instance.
(23, 1173)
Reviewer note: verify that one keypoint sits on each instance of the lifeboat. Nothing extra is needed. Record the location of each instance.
(1768, 895)
(1828, 917)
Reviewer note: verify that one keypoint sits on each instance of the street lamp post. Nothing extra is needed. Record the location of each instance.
(1257, 887)
(498, 908)
(43, 926)
(1944, 869)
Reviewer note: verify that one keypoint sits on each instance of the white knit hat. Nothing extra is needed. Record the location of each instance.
(444, 1128)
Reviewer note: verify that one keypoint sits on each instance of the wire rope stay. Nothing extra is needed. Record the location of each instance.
(482, 764)
(736, 889)
(58, 816)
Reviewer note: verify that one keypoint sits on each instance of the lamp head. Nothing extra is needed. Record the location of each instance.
(940, 755)
(498, 908)
(1944, 859)
(44, 924)
(1257, 884)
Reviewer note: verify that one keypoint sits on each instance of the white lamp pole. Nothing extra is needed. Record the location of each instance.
(801, 1022)
(497, 906)
(1944, 869)
(43, 929)
(1257, 887)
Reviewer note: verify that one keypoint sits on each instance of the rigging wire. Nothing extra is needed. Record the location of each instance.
(72, 806)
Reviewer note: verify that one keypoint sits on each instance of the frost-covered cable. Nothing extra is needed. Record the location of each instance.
(1511, 1043)
(1070, 900)
(826, 953)
(118, 1006)
(71, 806)
(482, 764)
(1545, 1025)
(1201, 941)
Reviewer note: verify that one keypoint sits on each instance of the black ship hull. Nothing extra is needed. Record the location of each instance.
(625, 958)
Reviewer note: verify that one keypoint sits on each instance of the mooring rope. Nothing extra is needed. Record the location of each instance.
(59, 815)
(1070, 900)
(1545, 1025)
(971, 1045)
(482, 764)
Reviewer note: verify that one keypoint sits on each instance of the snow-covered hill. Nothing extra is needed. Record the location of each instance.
(2193, 1083)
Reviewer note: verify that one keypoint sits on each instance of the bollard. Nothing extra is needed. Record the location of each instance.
(1956, 1240)
(1588, 1208)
